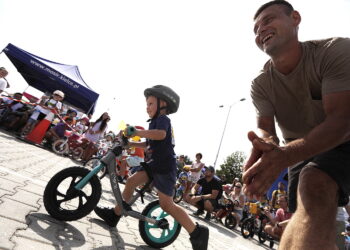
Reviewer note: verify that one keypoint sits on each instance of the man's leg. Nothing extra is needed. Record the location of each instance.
(313, 224)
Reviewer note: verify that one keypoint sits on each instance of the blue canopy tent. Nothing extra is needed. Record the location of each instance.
(48, 76)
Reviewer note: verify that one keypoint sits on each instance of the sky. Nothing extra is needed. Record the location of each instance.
(202, 49)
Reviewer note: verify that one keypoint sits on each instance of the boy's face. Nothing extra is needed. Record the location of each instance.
(151, 102)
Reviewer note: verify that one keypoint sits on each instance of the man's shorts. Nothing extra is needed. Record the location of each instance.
(335, 162)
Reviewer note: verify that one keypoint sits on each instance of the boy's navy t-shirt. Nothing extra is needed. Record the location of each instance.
(162, 156)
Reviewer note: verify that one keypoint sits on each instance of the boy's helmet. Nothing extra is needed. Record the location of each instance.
(165, 93)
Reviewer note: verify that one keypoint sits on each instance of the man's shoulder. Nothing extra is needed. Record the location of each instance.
(263, 74)
(322, 46)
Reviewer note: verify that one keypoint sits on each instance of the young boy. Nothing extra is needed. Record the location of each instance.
(161, 101)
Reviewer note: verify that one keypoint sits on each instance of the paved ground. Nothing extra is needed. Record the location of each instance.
(24, 223)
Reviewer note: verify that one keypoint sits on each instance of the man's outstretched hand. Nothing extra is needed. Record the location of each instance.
(266, 162)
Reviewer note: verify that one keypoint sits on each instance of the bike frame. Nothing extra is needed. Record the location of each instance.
(109, 161)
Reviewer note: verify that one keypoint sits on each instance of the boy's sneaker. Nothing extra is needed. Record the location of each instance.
(208, 216)
(199, 237)
(108, 215)
(199, 212)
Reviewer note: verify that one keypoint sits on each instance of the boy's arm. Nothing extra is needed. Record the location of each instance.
(138, 144)
(154, 134)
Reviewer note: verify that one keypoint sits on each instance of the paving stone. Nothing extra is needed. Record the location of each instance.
(7, 229)
(15, 210)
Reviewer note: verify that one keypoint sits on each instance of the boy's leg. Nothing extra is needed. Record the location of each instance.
(199, 235)
(131, 184)
(112, 215)
(313, 224)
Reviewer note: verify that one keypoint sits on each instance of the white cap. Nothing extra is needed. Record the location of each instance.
(59, 93)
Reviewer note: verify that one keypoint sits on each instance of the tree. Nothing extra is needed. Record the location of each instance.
(232, 166)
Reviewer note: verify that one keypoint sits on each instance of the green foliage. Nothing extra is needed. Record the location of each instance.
(232, 166)
(188, 161)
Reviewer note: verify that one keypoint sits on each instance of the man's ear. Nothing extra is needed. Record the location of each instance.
(296, 17)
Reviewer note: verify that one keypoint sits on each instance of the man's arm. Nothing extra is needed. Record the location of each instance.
(266, 127)
(213, 195)
(334, 130)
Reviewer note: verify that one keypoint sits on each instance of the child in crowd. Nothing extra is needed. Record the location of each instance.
(57, 132)
(45, 106)
(161, 165)
(133, 158)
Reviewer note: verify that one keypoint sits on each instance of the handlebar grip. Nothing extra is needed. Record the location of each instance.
(130, 130)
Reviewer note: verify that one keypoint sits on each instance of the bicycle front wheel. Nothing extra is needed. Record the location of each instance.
(63, 202)
(92, 163)
(247, 228)
(152, 234)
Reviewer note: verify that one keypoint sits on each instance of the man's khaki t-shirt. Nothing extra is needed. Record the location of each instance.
(295, 100)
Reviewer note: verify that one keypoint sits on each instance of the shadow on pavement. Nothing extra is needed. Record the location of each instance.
(59, 233)
(117, 240)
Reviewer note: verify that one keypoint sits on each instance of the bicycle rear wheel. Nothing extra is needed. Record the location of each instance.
(153, 235)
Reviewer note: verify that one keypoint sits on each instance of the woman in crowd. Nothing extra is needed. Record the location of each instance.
(94, 133)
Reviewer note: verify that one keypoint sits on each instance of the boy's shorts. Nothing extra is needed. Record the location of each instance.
(335, 162)
(164, 183)
(134, 161)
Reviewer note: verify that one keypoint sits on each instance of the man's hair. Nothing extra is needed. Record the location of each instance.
(288, 8)
(199, 154)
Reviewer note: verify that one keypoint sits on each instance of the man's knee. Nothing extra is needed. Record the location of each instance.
(317, 188)
(208, 206)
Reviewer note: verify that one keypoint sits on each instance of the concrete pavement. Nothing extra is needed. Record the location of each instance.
(25, 170)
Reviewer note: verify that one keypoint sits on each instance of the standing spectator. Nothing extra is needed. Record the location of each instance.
(94, 133)
(3, 82)
(211, 193)
(195, 172)
(305, 87)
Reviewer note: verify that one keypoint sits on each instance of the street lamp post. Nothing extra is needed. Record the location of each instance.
(223, 132)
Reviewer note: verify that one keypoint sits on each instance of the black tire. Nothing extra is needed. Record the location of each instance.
(262, 236)
(147, 230)
(74, 207)
(247, 228)
(178, 195)
(77, 153)
(90, 164)
(230, 222)
(60, 147)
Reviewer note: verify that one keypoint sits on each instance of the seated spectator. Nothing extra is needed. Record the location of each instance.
(3, 83)
(82, 125)
(57, 132)
(281, 190)
(211, 193)
(46, 105)
(238, 201)
(73, 114)
(11, 104)
(277, 224)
